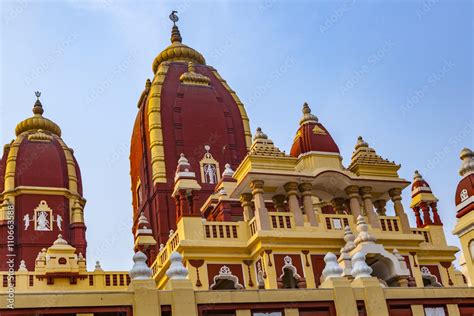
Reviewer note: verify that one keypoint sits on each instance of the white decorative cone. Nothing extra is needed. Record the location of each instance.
(332, 268)
(360, 269)
(176, 271)
(140, 270)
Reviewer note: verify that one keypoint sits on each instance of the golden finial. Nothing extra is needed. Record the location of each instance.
(175, 35)
(38, 107)
(307, 116)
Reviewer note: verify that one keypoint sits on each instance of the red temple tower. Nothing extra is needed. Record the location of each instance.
(41, 191)
(187, 108)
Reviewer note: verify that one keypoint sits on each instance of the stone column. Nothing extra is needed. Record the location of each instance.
(338, 205)
(419, 222)
(305, 189)
(353, 193)
(395, 194)
(261, 212)
(380, 206)
(426, 214)
(291, 189)
(369, 206)
(436, 218)
(279, 202)
(246, 202)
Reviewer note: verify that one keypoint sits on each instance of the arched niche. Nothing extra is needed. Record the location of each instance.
(429, 280)
(289, 277)
(225, 280)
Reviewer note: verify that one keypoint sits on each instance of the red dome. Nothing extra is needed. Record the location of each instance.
(38, 176)
(312, 136)
(465, 191)
(419, 185)
(465, 195)
(41, 164)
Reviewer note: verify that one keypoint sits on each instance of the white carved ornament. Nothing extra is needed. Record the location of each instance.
(288, 264)
(43, 218)
(464, 195)
(226, 274)
(210, 172)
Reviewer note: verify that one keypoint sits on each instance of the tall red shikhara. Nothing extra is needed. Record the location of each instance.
(41, 180)
(187, 108)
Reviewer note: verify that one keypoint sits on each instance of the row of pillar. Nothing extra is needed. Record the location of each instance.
(293, 189)
(425, 210)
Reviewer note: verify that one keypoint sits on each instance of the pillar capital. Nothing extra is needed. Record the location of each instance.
(246, 197)
(395, 193)
(257, 186)
(380, 206)
(305, 187)
(352, 191)
(366, 192)
(246, 201)
(291, 188)
(279, 202)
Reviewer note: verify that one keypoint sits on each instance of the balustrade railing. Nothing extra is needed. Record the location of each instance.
(389, 223)
(213, 230)
(282, 220)
(337, 221)
(423, 232)
(253, 226)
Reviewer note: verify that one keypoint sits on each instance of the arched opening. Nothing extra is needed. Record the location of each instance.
(383, 269)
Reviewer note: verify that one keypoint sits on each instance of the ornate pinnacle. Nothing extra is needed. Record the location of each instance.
(174, 17)
(361, 143)
(417, 176)
(38, 107)
(259, 134)
(467, 166)
(175, 35)
(307, 116)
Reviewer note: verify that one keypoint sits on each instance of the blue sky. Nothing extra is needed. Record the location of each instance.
(398, 73)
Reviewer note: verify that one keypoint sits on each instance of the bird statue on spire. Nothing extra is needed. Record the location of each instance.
(174, 17)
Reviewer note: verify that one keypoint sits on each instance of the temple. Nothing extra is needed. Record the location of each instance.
(225, 222)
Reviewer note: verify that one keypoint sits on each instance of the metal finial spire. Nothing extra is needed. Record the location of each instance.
(174, 17)
(38, 107)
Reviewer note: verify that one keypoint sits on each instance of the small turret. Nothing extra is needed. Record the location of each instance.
(312, 136)
(185, 189)
(423, 199)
